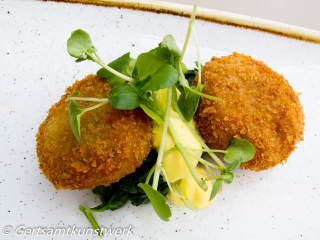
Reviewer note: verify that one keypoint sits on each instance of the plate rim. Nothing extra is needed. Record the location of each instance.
(211, 15)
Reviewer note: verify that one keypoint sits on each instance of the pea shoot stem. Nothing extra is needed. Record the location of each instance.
(94, 107)
(98, 60)
(169, 151)
(193, 131)
(198, 56)
(150, 174)
(206, 150)
(87, 99)
(87, 213)
(216, 177)
(163, 140)
(186, 158)
(203, 161)
(193, 15)
(163, 171)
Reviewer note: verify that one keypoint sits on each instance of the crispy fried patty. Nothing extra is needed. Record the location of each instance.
(258, 105)
(113, 142)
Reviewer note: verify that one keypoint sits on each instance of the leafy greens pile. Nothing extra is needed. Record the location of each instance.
(136, 83)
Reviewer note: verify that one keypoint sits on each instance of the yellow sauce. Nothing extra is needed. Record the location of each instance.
(193, 192)
(175, 165)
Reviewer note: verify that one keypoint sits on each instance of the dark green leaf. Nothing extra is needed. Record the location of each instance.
(79, 44)
(166, 76)
(188, 103)
(179, 87)
(140, 84)
(129, 185)
(215, 188)
(158, 201)
(235, 164)
(239, 148)
(148, 63)
(119, 65)
(168, 48)
(74, 115)
(124, 97)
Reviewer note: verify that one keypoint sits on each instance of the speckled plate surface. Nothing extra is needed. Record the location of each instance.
(35, 68)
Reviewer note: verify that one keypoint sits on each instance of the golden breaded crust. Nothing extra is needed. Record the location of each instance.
(258, 105)
(113, 142)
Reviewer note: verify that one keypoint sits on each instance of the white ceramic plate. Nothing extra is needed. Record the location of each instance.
(35, 68)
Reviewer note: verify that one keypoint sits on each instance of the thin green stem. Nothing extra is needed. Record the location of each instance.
(163, 140)
(163, 171)
(87, 99)
(193, 15)
(205, 95)
(87, 213)
(209, 170)
(198, 56)
(94, 107)
(169, 151)
(150, 174)
(97, 59)
(216, 177)
(203, 161)
(186, 201)
(193, 131)
(207, 150)
(186, 158)
(155, 99)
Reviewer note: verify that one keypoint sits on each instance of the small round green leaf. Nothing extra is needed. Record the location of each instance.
(239, 148)
(158, 201)
(79, 43)
(124, 97)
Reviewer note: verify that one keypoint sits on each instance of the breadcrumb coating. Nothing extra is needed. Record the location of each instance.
(258, 105)
(113, 142)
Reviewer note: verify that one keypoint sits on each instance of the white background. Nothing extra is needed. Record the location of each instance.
(35, 68)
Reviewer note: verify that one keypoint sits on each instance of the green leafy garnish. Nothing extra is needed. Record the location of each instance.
(75, 114)
(188, 103)
(166, 76)
(158, 201)
(239, 148)
(117, 194)
(79, 45)
(227, 177)
(215, 188)
(136, 83)
(168, 49)
(235, 164)
(124, 97)
(148, 64)
(120, 65)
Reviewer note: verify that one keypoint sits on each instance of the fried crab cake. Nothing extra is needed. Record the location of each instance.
(258, 105)
(113, 142)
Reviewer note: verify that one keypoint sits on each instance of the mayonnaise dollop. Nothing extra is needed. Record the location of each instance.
(173, 162)
(193, 192)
